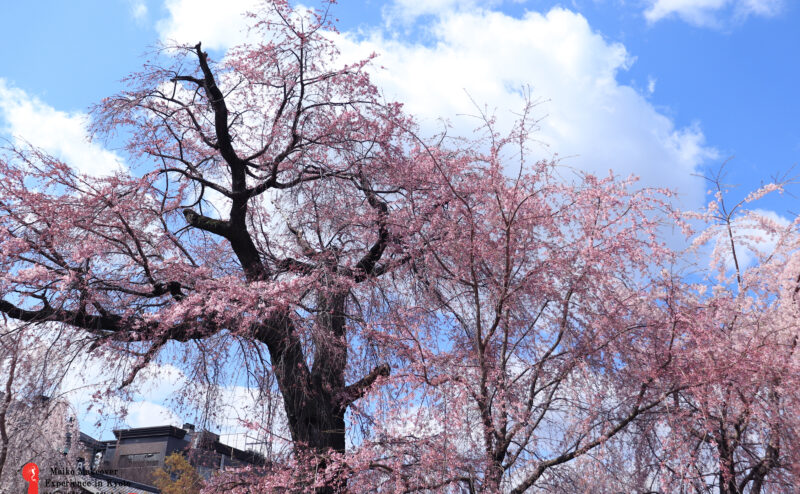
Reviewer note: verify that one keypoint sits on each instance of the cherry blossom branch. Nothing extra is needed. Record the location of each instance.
(359, 388)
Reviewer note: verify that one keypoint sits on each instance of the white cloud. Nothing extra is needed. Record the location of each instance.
(193, 21)
(589, 117)
(761, 7)
(62, 134)
(711, 12)
(651, 84)
(138, 9)
(153, 402)
(149, 414)
(152, 392)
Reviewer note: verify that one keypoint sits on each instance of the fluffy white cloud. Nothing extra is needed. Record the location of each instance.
(711, 12)
(588, 118)
(193, 21)
(64, 135)
(149, 414)
(651, 84)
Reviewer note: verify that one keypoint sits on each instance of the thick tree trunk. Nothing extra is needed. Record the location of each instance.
(314, 399)
(316, 422)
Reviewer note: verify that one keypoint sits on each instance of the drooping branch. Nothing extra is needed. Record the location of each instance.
(108, 322)
(144, 360)
(637, 409)
(109, 325)
(4, 407)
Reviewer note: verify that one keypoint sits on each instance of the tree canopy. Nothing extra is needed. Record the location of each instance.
(435, 313)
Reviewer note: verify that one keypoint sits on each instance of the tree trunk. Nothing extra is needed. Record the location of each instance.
(727, 476)
(313, 398)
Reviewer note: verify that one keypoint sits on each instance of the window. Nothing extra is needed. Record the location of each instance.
(140, 460)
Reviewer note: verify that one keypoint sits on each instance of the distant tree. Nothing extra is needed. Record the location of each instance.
(36, 423)
(534, 333)
(178, 476)
(736, 429)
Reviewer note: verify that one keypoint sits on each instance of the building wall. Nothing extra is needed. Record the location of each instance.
(138, 459)
(138, 453)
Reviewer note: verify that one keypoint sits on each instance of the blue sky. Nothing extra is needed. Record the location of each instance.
(659, 88)
(723, 72)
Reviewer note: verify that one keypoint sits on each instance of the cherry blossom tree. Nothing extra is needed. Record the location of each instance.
(272, 185)
(36, 423)
(736, 429)
(535, 331)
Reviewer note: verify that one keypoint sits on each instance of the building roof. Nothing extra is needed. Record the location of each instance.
(162, 430)
(86, 438)
(246, 456)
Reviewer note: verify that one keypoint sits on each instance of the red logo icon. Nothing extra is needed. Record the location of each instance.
(30, 472)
